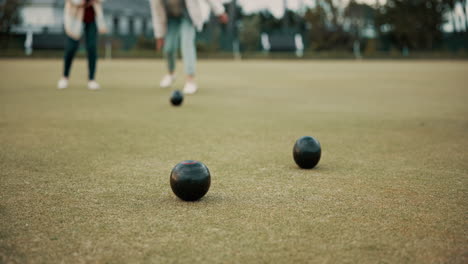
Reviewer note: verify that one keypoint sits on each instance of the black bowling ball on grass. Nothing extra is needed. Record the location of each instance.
(190, 180)
(177, 98)
(307, 152)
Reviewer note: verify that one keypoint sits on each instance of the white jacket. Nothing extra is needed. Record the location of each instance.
(194, 9)
(73, 18)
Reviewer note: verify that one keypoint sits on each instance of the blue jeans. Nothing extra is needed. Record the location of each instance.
(181, 31)
(71, 46)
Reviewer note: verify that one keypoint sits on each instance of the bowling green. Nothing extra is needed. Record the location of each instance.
(84, 175)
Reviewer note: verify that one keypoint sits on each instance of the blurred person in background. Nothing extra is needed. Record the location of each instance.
(82, 16)
(175, 23)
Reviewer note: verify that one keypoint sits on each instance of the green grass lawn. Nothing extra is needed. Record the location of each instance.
(84, 175)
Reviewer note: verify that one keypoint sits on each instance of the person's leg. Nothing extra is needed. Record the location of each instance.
(189, 51)
(189, 54)
(171, 43)
(71, 46)
(91, 36)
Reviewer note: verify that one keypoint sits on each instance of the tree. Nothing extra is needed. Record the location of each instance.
(250, 33)
(413, 24)
(9, 14)
(326, 26)
(9, 17)
(358, 17)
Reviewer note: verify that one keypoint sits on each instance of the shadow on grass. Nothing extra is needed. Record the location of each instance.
(211, 199)
(318, 168)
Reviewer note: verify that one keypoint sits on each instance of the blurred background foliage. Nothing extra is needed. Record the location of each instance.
(345, 29)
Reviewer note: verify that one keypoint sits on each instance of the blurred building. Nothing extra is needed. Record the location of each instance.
(126, 19)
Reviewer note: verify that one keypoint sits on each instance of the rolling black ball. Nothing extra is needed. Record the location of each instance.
(177, 98)
(307, 152)
(190, 180)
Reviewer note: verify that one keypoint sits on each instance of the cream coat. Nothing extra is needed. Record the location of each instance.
(194, 10)
(73, 18)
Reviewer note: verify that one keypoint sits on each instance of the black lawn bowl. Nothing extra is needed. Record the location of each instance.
(190, 180)
(177, 98)
(307, 152)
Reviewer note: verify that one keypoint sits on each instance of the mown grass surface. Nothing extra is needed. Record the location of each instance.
(85, 175)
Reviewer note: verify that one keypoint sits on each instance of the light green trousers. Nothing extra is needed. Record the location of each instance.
(181, 31)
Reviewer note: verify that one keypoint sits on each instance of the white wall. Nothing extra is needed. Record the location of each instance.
(138, 25)
(110, 23)
(123, 25)
(38, 17)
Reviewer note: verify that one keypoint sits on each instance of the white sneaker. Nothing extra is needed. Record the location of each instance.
(190, 87)
(93, 85)
(62, 83)
(167, 81)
